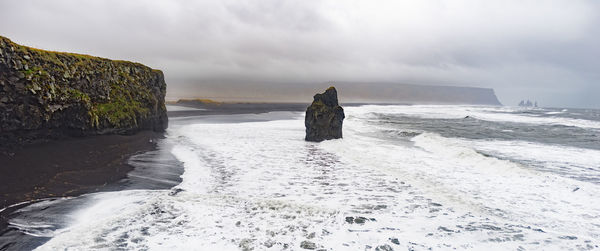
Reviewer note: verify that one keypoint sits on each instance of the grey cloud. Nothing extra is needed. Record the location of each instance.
(544, 50)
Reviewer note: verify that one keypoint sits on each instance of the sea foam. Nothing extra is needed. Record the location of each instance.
(259, 185)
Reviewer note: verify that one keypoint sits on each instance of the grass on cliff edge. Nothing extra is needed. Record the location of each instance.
(26, 49)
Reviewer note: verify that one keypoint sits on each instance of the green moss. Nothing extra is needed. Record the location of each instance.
(122, 110)
(56, 59)
(36, 74)
(28, 72)
(116, 94)
(78, 96)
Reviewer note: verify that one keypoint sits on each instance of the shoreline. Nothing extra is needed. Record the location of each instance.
(72, 167)
(78, 165)
(60, 169)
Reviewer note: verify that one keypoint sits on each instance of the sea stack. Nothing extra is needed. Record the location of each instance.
(324, 117)
(45, 94)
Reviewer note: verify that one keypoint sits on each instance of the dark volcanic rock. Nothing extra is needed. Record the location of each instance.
(324, 117)
(46, 94)
(308, 245)
(358, 219)
(384, 247)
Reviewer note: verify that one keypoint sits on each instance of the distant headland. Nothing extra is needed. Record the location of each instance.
(352, 92)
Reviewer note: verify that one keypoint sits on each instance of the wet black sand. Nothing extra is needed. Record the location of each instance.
(68, 167)
(62, 168)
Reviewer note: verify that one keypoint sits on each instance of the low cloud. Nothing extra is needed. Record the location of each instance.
(544, 50)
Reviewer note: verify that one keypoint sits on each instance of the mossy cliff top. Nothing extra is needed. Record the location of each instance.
(49, 94)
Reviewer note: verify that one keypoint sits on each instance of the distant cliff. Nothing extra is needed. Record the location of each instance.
(422, 94)
(46, 94)
(352, 92)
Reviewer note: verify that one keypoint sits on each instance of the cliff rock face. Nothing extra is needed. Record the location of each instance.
(47, 94)
(324, 117)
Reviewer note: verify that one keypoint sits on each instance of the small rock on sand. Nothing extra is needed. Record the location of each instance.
(308, 245)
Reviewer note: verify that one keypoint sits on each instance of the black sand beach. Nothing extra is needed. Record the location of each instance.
(68, 167)
(62, 168)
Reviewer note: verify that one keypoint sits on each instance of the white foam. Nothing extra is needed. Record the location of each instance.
(506, 183)
(569, 161)
(260, 186)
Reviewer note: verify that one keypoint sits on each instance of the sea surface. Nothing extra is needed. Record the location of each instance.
(422, 177)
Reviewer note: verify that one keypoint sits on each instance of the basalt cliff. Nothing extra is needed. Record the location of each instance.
(45, 95)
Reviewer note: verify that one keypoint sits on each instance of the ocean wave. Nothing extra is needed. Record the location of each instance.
(500, 184)
(494, 114)
(579, 163)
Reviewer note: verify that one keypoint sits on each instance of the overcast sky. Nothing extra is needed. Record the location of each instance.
(544, 50)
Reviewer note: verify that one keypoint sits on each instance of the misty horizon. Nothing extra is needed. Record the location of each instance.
(544, 51)
(349, 92)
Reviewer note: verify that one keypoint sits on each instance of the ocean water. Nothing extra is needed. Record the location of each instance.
(403, 177)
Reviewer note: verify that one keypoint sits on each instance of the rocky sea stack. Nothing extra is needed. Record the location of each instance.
(46, 94)
(324, 117)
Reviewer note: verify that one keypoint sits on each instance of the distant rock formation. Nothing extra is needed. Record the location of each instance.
(324, 117)
(46, 94)
(528, 103)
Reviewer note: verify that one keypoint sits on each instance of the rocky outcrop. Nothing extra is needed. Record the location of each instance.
(324, 117)
(47, 94)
